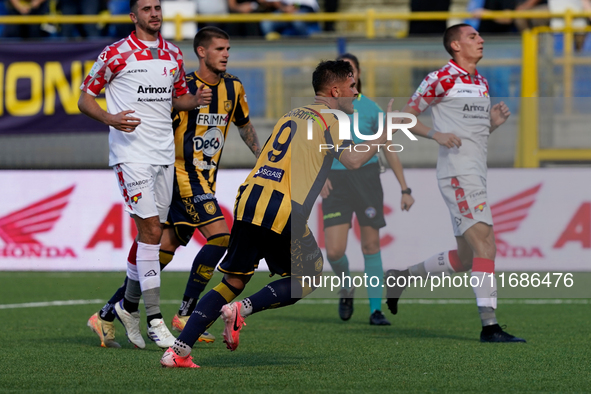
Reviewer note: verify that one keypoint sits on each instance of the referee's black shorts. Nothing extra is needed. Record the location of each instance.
(358, 191)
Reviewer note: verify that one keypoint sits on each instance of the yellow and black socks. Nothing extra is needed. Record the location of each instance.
(207, 311)
(107, 313)
(276, 294)
(202, 271)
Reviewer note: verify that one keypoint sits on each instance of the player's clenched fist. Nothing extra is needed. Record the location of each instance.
(204, 95)
(124, 122)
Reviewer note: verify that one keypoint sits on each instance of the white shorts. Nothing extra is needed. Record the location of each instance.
(465, 196)
(146, 188)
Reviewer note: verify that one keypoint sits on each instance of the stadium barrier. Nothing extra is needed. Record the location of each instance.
(75, 220)
(369, 17)
(529, 152)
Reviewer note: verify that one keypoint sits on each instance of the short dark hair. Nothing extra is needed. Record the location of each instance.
(330, 71)
(452, 34)
(205, 35)
(132, 4)
(353, 58)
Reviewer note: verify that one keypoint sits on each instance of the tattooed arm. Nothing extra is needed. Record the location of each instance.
(249, 136)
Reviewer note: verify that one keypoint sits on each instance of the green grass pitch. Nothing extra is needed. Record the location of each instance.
(302, 348)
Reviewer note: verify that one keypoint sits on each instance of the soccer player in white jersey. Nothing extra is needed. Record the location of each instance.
(144, 78)
(462, 122)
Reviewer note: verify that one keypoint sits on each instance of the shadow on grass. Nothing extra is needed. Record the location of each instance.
(358, 327)
(254, 359)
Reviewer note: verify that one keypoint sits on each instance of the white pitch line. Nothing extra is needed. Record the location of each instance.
(312, 301)
(49, 303)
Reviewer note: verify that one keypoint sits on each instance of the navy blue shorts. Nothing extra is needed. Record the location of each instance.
(187, 214)
(250, 243)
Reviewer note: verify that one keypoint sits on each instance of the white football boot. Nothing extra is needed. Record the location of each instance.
(158, 332)
(131, 322)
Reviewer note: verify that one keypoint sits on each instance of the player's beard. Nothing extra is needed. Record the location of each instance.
(148, 28)
(212, 68)
(345, 105)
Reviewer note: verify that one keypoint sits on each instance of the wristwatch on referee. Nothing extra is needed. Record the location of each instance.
(407, 191)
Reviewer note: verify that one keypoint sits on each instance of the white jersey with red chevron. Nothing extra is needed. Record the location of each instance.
(144, 79)
(460, 104)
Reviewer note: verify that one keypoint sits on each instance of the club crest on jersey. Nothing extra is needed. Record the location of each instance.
(210, 207)
(172, 71)
(228, 105)
(480, 207)
(134, 199)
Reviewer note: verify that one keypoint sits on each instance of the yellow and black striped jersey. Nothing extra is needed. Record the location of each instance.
(200, 134)
(280, 191)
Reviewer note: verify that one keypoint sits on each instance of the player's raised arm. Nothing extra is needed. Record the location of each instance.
(449, 140)
(122, 121)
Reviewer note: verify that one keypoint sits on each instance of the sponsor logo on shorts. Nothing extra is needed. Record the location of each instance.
(313, 255)
(210, 207)
(131, 185)
(480, 207)
(370, 212)
(203, 197)
(477, 194)
(270, 173)
(458, 221)
(332, 215)
(136, 198)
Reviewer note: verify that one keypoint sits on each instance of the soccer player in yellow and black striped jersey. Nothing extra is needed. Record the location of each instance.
(272, 209)
(200, 135)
